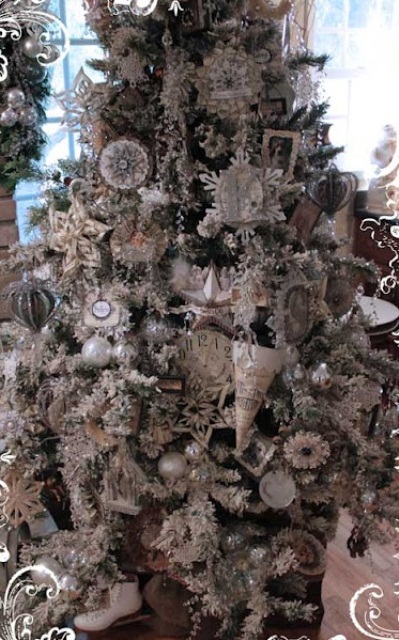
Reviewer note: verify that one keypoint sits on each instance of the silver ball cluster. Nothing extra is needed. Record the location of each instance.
(17, 109)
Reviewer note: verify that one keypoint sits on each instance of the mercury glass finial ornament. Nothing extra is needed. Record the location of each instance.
(32, 304)
(97, 352)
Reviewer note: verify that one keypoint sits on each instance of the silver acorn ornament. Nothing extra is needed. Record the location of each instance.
(321, 376)
(294, 375)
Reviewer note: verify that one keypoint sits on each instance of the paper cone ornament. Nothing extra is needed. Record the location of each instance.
(254, 371)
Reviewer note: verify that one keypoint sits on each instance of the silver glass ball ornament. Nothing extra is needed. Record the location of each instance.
(257, 555)
(31, 47)
(232, 541)
(44, 570)
(155, 330)
(201, 474)
(172, 465)
(124, 351)
(15, 97)
(69, 584)
(193, 451)
(97, 352)
(74, 558)
(321, 376)
(27, 116)
(293, 375)
(8, 117)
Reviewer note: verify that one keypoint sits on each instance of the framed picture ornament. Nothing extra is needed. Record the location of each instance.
(280, 150)
(100, 310)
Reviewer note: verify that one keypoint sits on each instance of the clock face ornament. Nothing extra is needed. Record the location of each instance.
(208, 355)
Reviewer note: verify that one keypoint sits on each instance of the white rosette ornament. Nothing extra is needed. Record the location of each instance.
(254, 370)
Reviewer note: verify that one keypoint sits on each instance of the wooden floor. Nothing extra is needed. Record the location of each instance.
(344, 577)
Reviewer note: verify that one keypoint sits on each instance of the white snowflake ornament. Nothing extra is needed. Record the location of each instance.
(245, 196)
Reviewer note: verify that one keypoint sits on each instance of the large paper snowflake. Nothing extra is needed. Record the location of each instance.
(229, 81)
(23, 498)
(199, 412)
(124, 164)
(75, 233)
(245, 196)
(81, 103)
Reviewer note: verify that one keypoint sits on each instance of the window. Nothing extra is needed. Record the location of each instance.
(361, 36)
(62, 144)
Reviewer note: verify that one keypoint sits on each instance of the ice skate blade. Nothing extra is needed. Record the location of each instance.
(120, 622)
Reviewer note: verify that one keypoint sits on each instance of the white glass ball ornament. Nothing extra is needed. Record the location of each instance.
(8, 117)
(124, 351)
(172, 465)
(40, 571)
(27, 116)
(97, 352)
(31, 47)
(321, 376)
(15, 97)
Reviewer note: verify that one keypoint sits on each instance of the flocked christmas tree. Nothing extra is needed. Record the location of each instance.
(191, 395)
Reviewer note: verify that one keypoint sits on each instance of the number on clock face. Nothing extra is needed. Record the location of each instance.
(207, 353)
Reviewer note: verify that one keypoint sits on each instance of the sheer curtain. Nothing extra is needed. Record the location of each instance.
(62, 144)
(361, 79)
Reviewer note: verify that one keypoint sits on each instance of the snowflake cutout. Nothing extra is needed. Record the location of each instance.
(228, 82)
(23, 498)
(199, 415)
(245, 196)
(124, 164)
(81, 103)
